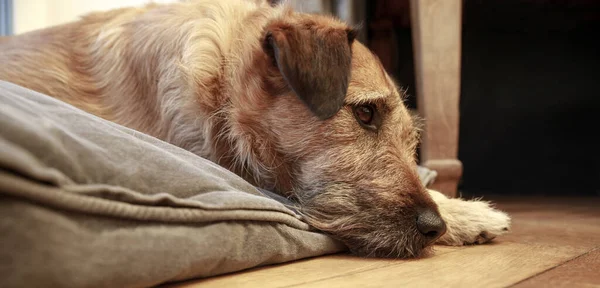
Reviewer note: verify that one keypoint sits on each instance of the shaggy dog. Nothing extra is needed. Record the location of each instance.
(291, 102)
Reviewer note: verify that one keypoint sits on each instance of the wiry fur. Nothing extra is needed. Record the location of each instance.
(215, 77)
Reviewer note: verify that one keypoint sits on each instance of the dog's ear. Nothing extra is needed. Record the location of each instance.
(315, 62)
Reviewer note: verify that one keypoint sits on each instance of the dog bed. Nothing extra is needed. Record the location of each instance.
(88, 203)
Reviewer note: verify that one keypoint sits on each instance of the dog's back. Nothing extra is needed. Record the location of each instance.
(108, 62)
(55, 61)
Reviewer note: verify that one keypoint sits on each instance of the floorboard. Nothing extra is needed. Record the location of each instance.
(553, 243)
(584, 271)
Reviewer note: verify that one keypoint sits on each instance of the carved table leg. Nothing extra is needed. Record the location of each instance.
(436, 26)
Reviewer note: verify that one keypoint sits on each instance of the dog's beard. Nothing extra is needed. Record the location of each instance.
(367, 230)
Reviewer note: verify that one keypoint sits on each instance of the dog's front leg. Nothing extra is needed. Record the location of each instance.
(469, 222)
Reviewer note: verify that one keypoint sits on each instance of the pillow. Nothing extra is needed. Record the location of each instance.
(85, 202)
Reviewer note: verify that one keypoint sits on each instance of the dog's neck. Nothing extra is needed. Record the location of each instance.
(185, 80)
(225, 122)
(205, 94)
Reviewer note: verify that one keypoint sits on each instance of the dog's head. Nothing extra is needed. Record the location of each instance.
(338, 123)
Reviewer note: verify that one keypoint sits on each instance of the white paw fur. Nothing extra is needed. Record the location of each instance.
(469, 222)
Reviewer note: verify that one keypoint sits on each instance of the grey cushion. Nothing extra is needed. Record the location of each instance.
(85, 202)
(88, 203)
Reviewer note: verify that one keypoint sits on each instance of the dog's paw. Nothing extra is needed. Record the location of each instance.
(471, 222)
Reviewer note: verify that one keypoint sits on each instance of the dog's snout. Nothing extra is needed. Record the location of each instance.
(430, 224)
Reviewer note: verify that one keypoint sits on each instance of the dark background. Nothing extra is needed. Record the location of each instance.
(530, 96)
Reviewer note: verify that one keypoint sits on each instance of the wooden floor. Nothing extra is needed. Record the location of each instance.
(553, 243)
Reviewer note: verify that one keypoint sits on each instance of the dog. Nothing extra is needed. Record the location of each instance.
(290, 102)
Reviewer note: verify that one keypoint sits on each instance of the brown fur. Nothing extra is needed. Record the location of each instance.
(263, 91)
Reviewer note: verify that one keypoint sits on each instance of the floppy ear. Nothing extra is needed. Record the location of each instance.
(315, 62)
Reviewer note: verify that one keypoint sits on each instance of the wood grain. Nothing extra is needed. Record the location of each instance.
(553, 242)
(554, 221)
(496, 265)
(436, 30)
(301, 272)
(583, 271)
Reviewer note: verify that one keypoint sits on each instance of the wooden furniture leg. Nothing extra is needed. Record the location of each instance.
(436, 31)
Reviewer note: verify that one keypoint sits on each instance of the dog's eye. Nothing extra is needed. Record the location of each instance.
(365, 114)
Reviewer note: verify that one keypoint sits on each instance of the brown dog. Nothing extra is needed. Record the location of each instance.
(289, 101)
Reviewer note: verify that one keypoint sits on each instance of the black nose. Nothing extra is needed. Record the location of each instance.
(430, 224)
